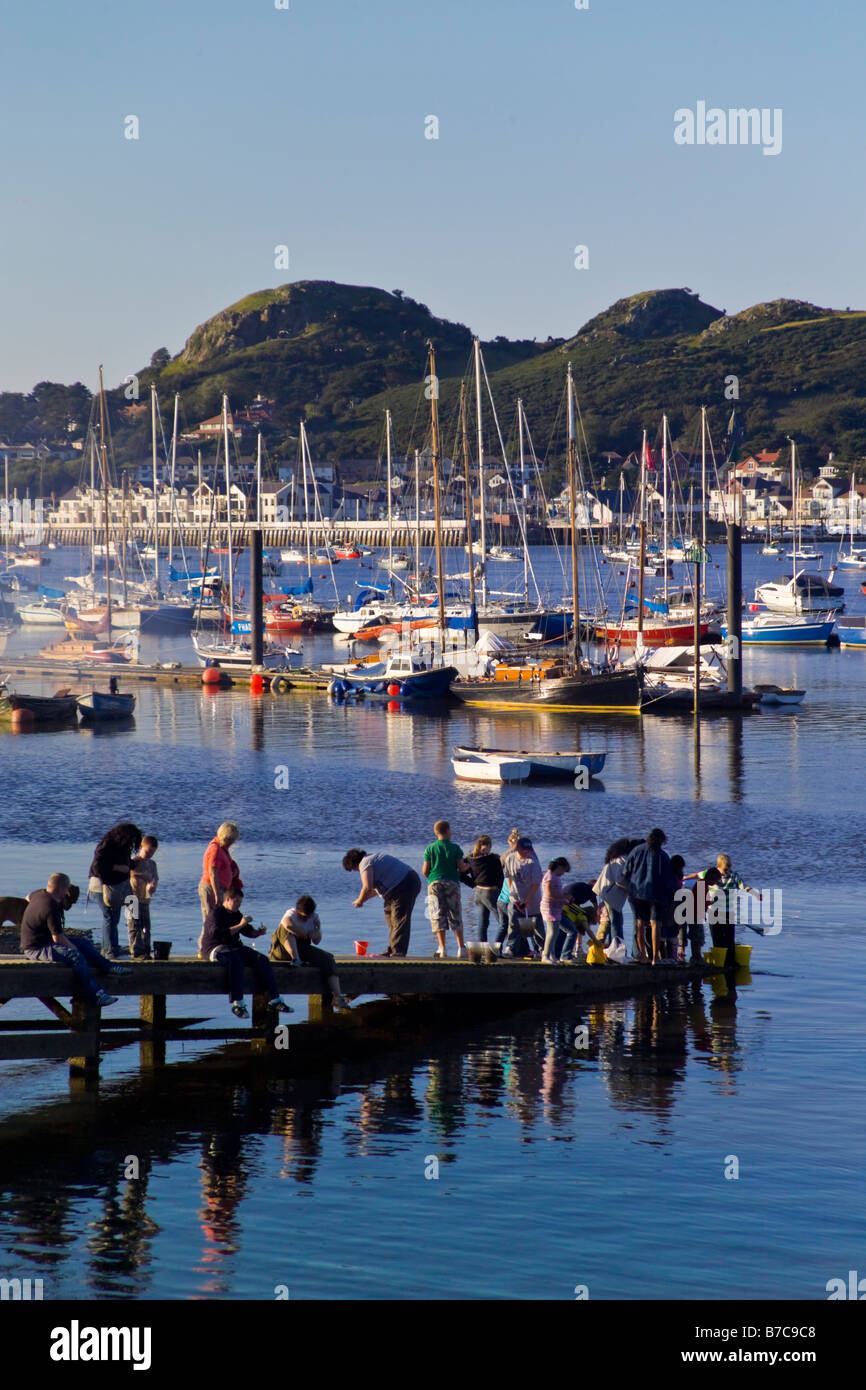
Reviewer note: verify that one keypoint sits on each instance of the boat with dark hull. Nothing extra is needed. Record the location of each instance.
(42, 709)
(555, 690)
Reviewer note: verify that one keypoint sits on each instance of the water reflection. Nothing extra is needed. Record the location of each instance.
(529, 1074)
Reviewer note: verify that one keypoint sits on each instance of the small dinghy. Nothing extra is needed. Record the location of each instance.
(475, 768)
(779, 695)
(101, 705)
(543, 764)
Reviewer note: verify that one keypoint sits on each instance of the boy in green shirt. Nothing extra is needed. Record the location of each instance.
(443, 864)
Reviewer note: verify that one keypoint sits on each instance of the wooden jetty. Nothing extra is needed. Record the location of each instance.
(81, 1033)
(299, 678)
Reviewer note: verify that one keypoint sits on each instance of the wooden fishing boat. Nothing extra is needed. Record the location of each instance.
(74, 652)
(400, 678)
(104, 705)
(42, 709)
(346, 552)
(548, 686)
(542, 763)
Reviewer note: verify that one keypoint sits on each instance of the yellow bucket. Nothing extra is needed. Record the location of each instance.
(716, 956)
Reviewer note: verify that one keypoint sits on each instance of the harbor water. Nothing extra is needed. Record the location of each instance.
(704, 1145)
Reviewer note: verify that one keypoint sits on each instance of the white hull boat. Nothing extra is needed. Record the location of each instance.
(490, 769)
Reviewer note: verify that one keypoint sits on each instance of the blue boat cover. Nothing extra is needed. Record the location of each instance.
(44, 592)
(655, 605)
(293, 589)
(367, 592)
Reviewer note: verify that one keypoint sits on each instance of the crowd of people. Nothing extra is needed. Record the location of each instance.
(532, 911)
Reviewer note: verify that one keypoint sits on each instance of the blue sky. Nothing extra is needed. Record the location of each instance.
(305, 127)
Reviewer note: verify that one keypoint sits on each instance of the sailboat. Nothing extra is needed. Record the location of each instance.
(853, 559)
(568, 684)
(770, 547)
(232, 653)
(78, 649)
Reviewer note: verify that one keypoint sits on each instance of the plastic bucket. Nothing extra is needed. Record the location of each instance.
(361, 948)
(716, 955)
(161, 950)
(744, 956)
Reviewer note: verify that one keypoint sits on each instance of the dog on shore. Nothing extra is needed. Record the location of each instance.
(12, 909)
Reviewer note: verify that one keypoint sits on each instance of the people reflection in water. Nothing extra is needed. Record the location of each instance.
(224, 1183)
(121, 1240)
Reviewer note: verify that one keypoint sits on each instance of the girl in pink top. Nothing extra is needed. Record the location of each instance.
(553, 896)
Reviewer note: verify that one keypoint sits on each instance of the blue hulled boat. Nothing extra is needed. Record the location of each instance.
(400, 678)
(99, 705)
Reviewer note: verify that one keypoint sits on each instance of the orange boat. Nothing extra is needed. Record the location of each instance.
(377, 630)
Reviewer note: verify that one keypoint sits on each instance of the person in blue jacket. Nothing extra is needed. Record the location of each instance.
(651, 884)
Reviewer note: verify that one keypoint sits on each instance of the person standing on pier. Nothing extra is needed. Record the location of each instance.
(396, 884)
(43, 939)
(486, 877)
(443, 865)
(112, 864)
(219, 872)
(651, 890)
(144, 880)
(523, 875)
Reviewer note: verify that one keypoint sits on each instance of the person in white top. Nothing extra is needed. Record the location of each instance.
(297, 940)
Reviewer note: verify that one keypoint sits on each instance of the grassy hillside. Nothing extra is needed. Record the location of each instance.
(336, 355)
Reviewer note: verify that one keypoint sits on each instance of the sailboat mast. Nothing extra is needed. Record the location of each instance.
(229, 510)
(572, 495)
(123, 537)
(259, 480)
(665, 504)
(523, 496)
(437, 516)
(417, 525)
(468, 491)
(390, 513)
(704, 477)
(153, 404)
(480, 428)
(171, 490)
(104, 462)
(306, 498)
(641, 558)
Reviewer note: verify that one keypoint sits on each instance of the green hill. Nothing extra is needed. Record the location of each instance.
(336, 355)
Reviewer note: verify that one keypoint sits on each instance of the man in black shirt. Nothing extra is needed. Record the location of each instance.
(221, 942)
(43, 939)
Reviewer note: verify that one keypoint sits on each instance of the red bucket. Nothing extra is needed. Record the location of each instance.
(361, 948)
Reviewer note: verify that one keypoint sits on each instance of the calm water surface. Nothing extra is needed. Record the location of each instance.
(555, 1167)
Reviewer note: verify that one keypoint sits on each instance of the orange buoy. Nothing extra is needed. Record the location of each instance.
(257, 685)
(211, 675)
(22, 719)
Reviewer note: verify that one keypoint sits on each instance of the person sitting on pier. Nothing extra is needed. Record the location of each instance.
(224, 925)
(297, 940)
(397, 885)
(43, 939)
